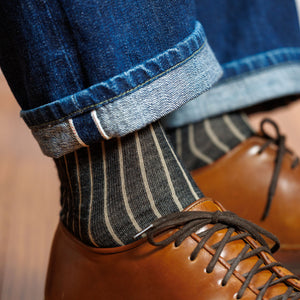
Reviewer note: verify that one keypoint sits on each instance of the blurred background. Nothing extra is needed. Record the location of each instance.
(29, 196)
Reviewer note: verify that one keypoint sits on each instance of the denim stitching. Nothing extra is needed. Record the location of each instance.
(251, 72)
(286, 51)
(125, 93)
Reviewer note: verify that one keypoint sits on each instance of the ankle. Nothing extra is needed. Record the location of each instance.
(202, 143)
(114, 189)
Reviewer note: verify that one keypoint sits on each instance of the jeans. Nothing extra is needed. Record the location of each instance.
(84, 71)
(257, 44)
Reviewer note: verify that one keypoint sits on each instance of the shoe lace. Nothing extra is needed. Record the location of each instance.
(279, 140)
(191, 222)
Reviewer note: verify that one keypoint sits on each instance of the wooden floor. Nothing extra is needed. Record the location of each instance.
(29, 204)
(29, 198)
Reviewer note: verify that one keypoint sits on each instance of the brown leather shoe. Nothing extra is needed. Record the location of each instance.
(260, 181)
(173, 262)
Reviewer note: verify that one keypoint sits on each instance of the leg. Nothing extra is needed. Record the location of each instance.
(114, 83)
(74, 128)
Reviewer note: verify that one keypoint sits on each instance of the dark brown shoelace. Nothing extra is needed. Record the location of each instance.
(279, 140)
(188, 223)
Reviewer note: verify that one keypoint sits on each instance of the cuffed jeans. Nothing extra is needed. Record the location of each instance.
(84, 71)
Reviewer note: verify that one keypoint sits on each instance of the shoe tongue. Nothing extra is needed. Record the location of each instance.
(205, 204)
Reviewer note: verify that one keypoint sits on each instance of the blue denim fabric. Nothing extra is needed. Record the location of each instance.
(89, 70)
(83, 71)
(245, 28)
(131, 110)
(239, 92)
(57, 48)
(258, 44)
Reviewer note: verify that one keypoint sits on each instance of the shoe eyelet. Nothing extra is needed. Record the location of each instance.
(191, 259)
(235, 296)
(221, 283)
(205, 270)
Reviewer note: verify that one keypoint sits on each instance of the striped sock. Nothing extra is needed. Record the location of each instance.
(114, 189)
(202, 143)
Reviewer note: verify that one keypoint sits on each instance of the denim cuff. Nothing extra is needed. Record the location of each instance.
(246, 82)
(128, 101)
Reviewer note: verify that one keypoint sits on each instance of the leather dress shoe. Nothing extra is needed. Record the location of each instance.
(203, 252)
(260, 181)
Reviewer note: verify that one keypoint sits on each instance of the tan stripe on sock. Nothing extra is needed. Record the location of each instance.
(106, 217)
(233, 128)
(162, 159)
(194, 148)
(91, 199)
(213, 137)
(181, 168)
(79, 192)
(123, 188)
(144, 176)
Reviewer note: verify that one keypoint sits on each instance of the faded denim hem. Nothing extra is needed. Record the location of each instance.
(239, 92)
(259, 61)
(85, 118)
(118, 86)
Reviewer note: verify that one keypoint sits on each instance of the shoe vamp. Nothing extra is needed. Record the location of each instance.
(240, 181)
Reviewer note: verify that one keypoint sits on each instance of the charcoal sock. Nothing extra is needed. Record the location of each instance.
(202, 143)
(113, 189)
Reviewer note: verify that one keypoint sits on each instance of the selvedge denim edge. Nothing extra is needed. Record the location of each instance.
(126, 102)
(241, 91)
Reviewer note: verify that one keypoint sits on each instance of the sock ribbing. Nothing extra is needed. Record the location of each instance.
(202, 143)
(114, 189)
